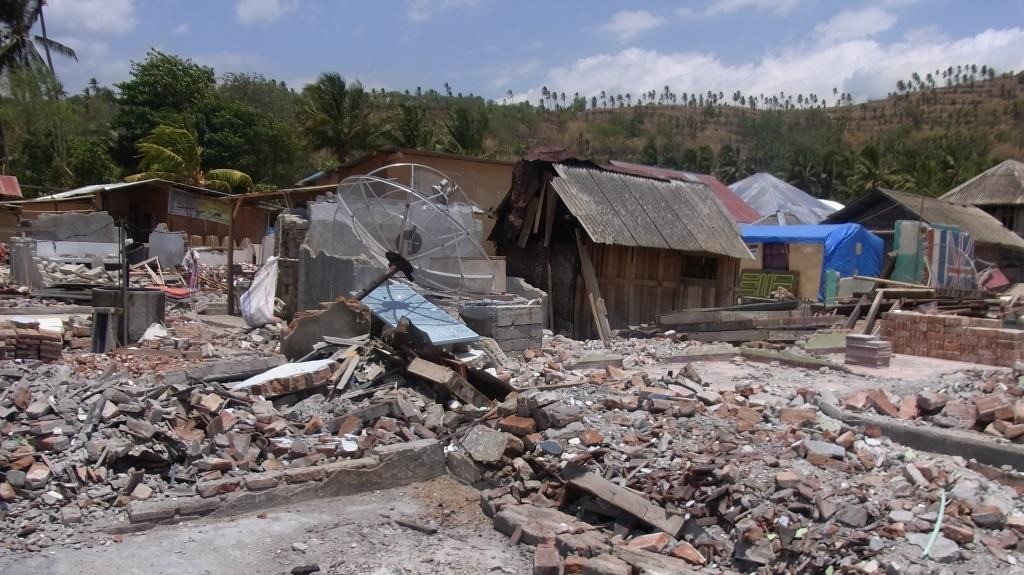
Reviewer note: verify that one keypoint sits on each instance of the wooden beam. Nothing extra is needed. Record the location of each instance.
(855, 314)
(593, 291)
(450, 381)
(550, 209)
(627, 500)
(873, 312)
(531, 213)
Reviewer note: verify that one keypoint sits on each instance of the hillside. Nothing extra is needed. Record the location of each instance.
(924, 139)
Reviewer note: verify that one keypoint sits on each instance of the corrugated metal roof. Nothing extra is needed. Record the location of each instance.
(985, 228)
(741, 212)
(624, 210)
(769, 195)
(1002, 185)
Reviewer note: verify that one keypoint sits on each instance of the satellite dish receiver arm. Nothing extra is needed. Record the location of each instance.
(396, 263)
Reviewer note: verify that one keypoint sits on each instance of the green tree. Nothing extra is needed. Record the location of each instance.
(260, 144)
(466, 129)
(174, 153)
(335, 117)
(163, 88)
(411, 127)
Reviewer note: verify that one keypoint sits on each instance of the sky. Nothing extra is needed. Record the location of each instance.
(491, 47)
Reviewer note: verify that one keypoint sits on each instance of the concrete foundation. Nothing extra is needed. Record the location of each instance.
(513, 327)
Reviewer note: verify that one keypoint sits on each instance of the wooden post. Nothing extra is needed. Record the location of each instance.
(231, 257)
(593, 291)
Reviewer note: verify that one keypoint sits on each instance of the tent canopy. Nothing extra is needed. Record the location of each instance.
(840, 240)
(769, 195)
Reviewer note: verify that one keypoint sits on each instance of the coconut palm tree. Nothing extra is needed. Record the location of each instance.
(19, 47)
(173, 153)
(335, 117)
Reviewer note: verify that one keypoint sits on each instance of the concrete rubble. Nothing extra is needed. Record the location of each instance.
(652, 455)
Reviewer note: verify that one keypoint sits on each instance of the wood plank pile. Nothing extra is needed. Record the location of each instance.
(771, 322)
(867, 350)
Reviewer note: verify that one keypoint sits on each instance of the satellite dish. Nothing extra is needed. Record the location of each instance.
(424, 216)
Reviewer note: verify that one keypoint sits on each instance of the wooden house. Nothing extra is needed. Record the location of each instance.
(600, 239)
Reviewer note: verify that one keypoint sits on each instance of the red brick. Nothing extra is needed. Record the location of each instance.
(516, 425)
(654, 542)
(546, 560)
(798, 417)
(908, 407)
(880, 401)
(303, 474)
(687, 553)
(217, 487)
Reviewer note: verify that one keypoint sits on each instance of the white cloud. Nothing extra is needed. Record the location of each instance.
(95, 60)
(853, 24)
(253, 11)
(92, 16)
(423, 10)
(181, 29)
(628, 24)
(866, 68)
(720, 7)
(506, 75)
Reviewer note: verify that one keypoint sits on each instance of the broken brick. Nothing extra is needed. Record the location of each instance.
(879, 400)
(516, 425)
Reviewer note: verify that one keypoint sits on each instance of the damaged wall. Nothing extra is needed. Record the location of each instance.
(324, 277)
(92, 227)
(977, 340)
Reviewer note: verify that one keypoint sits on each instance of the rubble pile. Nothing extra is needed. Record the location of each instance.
(672, 475)
(989, 402)
(597, 455)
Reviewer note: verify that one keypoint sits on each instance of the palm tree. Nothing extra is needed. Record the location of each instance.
(334, 117)
(412, 127)
(173, 153)
(19, 47)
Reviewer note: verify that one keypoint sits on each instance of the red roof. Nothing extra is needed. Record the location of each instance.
(9, 187)
(740, 211)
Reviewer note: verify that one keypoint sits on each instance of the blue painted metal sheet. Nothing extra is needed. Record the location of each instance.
(392, 301)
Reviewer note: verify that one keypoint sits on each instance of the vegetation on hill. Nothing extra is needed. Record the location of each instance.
(931, 133)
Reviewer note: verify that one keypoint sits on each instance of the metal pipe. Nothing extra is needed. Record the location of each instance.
(231, 258)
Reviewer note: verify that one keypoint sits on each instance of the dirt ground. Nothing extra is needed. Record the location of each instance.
(351, 535)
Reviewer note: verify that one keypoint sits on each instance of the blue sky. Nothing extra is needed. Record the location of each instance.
(491, 46)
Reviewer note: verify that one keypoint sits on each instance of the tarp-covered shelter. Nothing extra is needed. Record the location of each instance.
(880, 209)
(811, 250)
(769, 195)
(652, 245)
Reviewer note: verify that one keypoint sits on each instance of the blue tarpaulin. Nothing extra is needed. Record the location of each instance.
(841, 252)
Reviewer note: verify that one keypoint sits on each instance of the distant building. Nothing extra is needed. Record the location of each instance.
(483, 180)
(999, 191)
(880, 209)
(145, 204)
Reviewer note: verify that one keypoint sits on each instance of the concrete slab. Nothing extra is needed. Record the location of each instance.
(351, 534)
(284, 372)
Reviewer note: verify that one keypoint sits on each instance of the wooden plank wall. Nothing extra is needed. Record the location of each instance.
(638, 284)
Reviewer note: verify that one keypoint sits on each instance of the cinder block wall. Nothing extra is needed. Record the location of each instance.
(513, 327)
(977, 340)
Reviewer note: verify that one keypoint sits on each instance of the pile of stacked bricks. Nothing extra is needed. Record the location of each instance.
(867, 350)
(976, 340)
(290, 233)
(513, 327)
(27, 340)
